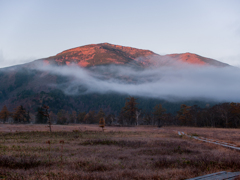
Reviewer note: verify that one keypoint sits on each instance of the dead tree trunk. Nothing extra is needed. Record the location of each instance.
(137, 115)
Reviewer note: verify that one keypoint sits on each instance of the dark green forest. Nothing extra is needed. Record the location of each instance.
(111, 103)
(24, 92)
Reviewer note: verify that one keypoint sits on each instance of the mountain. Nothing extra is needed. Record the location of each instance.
(105, 53)
(31, 87)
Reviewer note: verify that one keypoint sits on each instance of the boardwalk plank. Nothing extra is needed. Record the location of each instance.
(223, 175)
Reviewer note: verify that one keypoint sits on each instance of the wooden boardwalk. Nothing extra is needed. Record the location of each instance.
(223, 175)
(227, 145)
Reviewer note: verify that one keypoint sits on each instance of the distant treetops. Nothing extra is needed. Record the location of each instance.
(226, 115)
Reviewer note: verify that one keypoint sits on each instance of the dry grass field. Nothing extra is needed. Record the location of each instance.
(84, 152)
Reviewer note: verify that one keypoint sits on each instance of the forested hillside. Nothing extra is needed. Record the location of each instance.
(101, 76)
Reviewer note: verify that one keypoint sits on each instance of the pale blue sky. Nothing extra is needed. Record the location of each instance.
(31, 29)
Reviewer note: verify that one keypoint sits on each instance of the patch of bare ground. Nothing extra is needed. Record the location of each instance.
(84, 152)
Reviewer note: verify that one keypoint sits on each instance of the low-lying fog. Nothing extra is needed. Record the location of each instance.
(176, 81)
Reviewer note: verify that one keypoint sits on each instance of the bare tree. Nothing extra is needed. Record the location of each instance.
(138, 113)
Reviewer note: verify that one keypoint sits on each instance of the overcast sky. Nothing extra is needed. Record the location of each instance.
(32, 29)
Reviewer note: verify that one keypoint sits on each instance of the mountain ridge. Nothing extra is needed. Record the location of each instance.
(106, 53)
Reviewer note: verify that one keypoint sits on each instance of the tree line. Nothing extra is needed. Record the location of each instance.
(20, 115)
(226, 115)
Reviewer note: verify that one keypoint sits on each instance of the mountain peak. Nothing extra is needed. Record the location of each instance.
(98, 54)
(191, 58)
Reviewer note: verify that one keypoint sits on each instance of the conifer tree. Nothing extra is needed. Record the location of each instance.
(183, 114)
(19, 115)
(158, 113)
(40, 118)
(130, 109)
(4, 114)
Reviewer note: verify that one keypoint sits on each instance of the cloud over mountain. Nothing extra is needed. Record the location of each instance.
(177, 82)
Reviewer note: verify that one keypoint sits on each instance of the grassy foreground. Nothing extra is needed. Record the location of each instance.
(84, 152)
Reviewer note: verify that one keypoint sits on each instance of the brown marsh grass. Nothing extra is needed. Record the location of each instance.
(85, 152)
